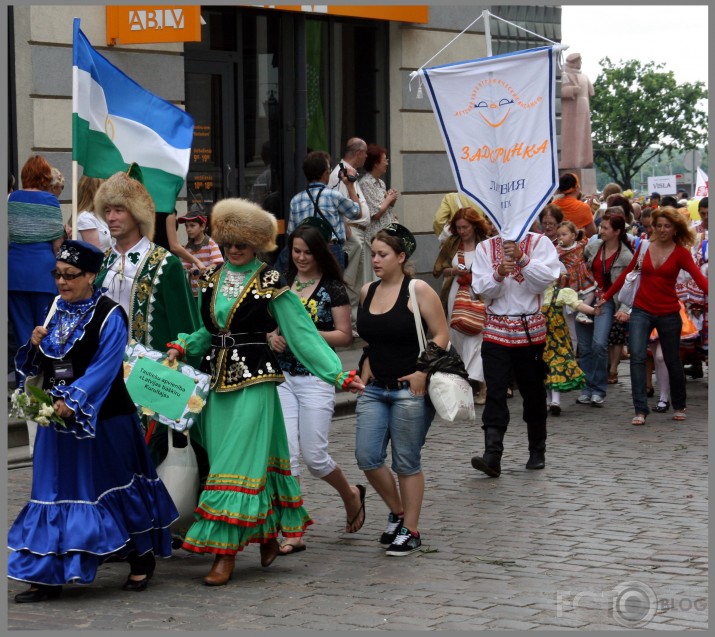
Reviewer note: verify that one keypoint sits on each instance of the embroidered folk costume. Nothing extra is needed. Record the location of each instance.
(250, 494)
(95, 492)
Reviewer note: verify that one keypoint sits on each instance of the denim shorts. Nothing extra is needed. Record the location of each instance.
(396, 416)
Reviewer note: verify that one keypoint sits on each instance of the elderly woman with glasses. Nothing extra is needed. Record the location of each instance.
(250, 495)
(95, 492)
(549, 219)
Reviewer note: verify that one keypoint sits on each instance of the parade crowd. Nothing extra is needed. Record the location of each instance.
(543, 317)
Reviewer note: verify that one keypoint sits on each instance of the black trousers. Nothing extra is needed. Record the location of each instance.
(526, 366)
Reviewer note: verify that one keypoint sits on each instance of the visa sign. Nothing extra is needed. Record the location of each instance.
(145, 24)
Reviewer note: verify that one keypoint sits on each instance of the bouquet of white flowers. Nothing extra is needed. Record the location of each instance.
(34, 404)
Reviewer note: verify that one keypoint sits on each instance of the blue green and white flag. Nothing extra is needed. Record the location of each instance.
(116, 122)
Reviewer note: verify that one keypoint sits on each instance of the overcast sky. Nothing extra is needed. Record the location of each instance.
(676, 35)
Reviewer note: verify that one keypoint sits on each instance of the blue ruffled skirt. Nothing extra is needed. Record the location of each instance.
(92, 498)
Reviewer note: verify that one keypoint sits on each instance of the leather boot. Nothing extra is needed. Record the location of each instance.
(490, 462)
(537, 458)
(269, 551)
(221, 571)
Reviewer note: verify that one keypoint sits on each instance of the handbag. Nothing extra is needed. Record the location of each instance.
(468, 314)
(633, 279)
(450, 393)
(180, 474)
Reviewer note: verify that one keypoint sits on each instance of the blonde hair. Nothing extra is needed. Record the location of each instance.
(683, 234)
(86, 190)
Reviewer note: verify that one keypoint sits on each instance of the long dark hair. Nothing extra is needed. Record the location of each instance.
(617, 219)
(319, 249)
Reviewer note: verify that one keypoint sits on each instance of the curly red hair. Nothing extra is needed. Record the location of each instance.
(36, 173)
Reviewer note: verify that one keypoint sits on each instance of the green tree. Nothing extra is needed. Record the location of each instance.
(638, 113)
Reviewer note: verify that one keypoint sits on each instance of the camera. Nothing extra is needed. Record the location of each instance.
(343, 171)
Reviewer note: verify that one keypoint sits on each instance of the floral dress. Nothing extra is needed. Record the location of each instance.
(564, 374)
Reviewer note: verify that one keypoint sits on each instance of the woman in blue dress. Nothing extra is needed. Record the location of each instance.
(95, 492)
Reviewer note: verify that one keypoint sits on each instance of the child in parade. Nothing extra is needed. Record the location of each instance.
(203, 247)
(563, 373)
(570, 248)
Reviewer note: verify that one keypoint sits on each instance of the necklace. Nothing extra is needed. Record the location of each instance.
(300, 285)
(233, 284)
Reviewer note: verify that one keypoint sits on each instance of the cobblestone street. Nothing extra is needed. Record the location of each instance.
(618, 517)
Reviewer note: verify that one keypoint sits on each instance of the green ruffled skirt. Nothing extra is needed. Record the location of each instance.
(250, 494)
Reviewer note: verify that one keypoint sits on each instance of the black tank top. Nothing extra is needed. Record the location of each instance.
(392, 337)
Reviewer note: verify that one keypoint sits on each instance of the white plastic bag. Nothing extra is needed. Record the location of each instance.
(451, 396)
(180, 474)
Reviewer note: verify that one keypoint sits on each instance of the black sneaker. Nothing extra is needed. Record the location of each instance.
(394, 524)
(404, 544)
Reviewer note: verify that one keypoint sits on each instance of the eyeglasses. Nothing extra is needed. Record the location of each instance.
(238, 246)
(67, 276)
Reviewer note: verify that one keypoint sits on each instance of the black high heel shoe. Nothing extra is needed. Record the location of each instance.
(38, 593)
(143, 565)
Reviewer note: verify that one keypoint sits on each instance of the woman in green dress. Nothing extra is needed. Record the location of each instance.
(250, 495)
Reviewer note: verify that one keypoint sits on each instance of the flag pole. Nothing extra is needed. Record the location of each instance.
(74, 199)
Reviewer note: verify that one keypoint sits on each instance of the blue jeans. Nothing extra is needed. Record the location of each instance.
(593, 349)
(396, 416)
(668, 326)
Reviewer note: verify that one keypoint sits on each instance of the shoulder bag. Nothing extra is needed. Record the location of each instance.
(449, 392)
(468, 314)
(633, 279)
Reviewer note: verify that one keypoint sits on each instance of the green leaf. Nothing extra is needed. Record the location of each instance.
(38, 394)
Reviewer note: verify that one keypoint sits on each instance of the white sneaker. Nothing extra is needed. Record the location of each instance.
(583, 318)
(597, 401)
(584, 399)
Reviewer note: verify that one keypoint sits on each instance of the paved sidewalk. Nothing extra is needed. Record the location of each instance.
(618, 518)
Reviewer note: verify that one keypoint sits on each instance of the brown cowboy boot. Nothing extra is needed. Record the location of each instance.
(221, 571)
(269, 551)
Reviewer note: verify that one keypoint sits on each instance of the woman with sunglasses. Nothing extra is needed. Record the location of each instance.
(95, 492)
(394, 407)
(250, 495)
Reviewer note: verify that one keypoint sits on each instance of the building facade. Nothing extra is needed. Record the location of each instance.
(266, 85)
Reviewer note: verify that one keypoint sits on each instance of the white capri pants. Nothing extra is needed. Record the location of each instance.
(308, 404)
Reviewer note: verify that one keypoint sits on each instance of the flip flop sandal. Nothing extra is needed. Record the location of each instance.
(638, 419)
(679, 415)
(294, 548)
(350, 523)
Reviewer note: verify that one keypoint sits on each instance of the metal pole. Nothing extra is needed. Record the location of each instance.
(487, 32)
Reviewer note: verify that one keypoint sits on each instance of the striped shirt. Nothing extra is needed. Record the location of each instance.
(208, 253)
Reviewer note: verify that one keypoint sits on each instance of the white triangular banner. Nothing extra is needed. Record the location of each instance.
(497, 118)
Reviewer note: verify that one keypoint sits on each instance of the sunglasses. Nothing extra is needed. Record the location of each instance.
(238, 246)
(57, 275)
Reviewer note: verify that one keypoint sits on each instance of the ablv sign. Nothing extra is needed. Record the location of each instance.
(146, 24)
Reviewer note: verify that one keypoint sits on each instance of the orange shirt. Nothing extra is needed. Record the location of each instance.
(576, 211)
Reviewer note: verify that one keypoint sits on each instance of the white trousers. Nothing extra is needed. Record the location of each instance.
(308, 404)
(359, 267)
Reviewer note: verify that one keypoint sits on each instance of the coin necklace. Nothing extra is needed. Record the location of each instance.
(233, 284)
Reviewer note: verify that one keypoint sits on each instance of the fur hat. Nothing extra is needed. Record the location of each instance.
(237, 220)
(122, 190)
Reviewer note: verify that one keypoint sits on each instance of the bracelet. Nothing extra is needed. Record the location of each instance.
(178, 348)
(347, 378)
